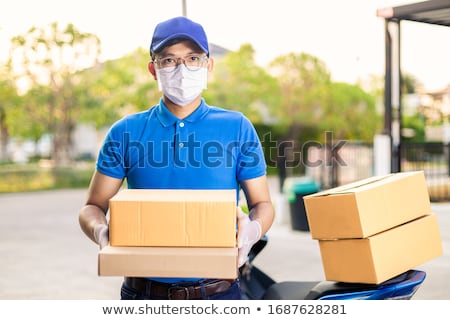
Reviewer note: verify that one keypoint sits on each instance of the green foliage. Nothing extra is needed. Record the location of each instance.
(31, 177)
(32, 109)
(9, 100)
(350, 113)
(409, 84)
(115, 88)
(238, 83)
(417, 124)
(45, 59)
(304, 82)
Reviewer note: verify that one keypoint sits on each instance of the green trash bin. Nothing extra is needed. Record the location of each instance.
(296, 188)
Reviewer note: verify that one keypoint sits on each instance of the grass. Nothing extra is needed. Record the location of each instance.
(35, 176)
(41, 176)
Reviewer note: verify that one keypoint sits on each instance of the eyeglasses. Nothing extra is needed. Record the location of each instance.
(192, 63)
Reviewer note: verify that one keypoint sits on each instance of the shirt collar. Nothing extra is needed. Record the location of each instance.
(167, 118)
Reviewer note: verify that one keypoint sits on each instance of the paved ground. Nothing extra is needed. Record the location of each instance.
(44, 254)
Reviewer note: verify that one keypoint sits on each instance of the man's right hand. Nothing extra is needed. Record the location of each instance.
(101, 234)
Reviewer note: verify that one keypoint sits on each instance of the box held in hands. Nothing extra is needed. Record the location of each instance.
(173, 218)
(168, 262)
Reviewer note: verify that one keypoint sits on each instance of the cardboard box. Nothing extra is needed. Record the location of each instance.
(180, 218)
(382, 256)
(168, 262)
(367, 207)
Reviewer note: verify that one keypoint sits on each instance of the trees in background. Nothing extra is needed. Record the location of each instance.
(43, 62)
(59, 82)
(239, 83)
(114, 88)
(9, 104)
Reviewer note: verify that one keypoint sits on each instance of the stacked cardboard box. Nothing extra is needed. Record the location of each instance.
(374, 229)
(171, 233)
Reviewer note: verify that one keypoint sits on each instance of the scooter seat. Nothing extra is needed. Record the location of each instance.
(289, 290)
(402, 286)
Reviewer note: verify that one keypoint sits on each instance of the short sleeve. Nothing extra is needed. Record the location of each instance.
(110, 159)
(251, 162)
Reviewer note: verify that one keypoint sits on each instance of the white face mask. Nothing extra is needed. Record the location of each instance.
(182, 86)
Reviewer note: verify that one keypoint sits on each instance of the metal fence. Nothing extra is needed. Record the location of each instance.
(354, 161)
(351, 162)
(433, 159)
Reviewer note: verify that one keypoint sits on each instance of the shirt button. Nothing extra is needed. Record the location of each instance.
(181, 124)
(181, 144)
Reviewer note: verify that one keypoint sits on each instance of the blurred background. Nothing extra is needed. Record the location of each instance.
(310, 75)
(313, 74)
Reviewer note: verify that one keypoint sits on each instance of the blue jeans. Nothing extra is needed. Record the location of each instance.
(232, 293)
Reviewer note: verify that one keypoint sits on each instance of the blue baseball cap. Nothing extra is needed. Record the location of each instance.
(178, 28)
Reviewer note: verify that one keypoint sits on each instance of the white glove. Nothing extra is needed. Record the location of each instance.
(249, 232)
(101, 234)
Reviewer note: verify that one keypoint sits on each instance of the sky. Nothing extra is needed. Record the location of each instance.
(345, 34)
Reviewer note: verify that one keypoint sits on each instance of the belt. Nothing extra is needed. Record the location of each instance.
(178, 291)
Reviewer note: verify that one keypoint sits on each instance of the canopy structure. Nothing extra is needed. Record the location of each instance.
(436, 12)
(433, 12)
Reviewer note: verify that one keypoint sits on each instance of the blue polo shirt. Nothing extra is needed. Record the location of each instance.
(212, 148)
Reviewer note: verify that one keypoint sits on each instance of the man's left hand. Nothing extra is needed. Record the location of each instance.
(249, 232)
